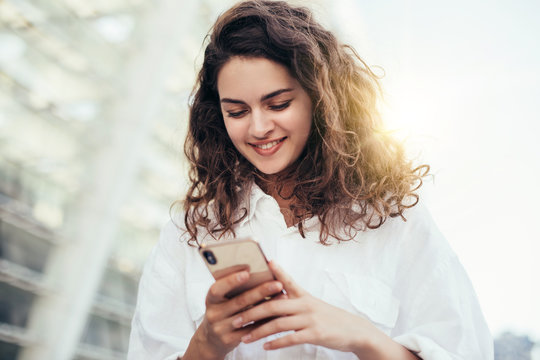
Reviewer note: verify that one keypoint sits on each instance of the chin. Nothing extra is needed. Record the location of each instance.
(269, 171)
(274, 169)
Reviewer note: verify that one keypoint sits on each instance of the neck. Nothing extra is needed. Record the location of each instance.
(276, 186)
(282, 191)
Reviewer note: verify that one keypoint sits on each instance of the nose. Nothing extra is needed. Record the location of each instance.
(261, 125)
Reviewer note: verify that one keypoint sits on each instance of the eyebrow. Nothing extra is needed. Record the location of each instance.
(263, 98)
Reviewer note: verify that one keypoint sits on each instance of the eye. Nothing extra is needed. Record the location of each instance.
(236, 114)
(281, 106)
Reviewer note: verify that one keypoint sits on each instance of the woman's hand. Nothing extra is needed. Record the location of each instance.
(316, 322)
(216, 336)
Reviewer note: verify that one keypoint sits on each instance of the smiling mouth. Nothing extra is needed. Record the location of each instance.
(269, 145)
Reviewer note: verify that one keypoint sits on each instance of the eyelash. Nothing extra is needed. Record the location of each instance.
(236, 114)
(279, 107)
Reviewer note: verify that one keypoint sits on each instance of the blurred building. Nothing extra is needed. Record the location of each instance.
(93, 102)
(509, 346)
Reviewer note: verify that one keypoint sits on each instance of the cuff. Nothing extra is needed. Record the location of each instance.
(423, 347)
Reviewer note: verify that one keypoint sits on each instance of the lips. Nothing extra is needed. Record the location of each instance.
(268, 147)
(269, 144)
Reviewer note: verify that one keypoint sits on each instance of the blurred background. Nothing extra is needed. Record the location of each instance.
(93, 107)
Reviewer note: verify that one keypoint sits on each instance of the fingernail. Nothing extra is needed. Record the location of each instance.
(246, 338)
(242, 276)
(237, 322)
(267, 346)
(273, 287)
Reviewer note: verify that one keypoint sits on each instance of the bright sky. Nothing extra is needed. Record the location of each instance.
(463, 84)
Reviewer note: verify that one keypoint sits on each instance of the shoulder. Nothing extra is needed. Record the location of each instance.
(172, 248)
(173, 228)
(173, 232)
(418, 237)
(417, 220)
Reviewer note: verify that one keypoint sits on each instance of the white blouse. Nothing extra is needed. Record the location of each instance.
(403, 276)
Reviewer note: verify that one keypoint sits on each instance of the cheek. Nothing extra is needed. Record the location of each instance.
(235, 131)
(303, 116)
(303, 124)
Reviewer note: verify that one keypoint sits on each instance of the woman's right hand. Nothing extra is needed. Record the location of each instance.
(217, 335)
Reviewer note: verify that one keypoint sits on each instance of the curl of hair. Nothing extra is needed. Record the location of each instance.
(352, 174)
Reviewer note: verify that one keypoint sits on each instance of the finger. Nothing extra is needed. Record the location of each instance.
(252, 297)
(296, 338)
(268, 309)
(281, 296)
(277, 325)
(224, 327)
(216, 293)
(292, 289)
(223, 333)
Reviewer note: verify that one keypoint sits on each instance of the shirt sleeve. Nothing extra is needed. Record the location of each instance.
(440, 317)
(162, 327)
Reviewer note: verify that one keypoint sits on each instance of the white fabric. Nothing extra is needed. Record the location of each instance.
(404, 277)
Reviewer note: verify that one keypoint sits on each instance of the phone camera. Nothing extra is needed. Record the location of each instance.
(209, 256)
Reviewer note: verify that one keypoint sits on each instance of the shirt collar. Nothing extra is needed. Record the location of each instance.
(251, 197)
(250, 200)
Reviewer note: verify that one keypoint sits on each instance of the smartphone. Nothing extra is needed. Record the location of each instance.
(226, 258)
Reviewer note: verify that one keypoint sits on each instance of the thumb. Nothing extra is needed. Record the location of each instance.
(292, 289)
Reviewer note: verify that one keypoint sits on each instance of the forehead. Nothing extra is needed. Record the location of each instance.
(251, 78)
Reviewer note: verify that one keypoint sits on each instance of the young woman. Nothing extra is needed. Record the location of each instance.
(286, 147)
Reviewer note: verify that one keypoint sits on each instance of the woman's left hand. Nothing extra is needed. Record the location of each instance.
(314, 322)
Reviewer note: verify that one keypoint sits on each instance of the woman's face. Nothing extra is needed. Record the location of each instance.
(267, 113)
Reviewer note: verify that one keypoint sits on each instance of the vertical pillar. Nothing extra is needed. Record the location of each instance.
(76, 267)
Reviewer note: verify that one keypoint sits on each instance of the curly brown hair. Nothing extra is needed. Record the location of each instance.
(352, 174)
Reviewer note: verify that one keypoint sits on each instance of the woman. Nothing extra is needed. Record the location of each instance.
(285, 146)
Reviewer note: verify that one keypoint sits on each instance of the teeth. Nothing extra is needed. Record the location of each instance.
(268, 145)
